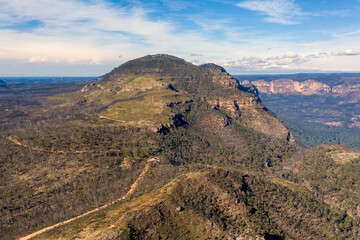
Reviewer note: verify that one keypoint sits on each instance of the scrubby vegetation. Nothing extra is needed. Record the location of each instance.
(210, 173)
(312, 134)
(217, 204)
(336, 182)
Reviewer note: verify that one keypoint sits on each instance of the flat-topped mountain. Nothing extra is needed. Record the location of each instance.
(146, 91)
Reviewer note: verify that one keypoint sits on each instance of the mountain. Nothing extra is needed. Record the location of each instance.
(153, 86)
(162, 148)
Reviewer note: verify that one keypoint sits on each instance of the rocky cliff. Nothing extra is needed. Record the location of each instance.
(308, 87)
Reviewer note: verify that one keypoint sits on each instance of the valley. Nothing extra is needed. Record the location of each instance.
(318, 108)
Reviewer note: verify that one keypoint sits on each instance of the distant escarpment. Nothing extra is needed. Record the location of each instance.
(147, 92)
(309, 87)
(332, 100)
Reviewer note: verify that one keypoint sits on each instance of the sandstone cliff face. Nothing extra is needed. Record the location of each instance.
(254, 115)
(308, 87)
(289, 86)
(332, 102)
(246, 105)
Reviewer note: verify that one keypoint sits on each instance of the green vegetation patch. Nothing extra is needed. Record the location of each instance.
(335, 180)
(149, 108)
(313, 134)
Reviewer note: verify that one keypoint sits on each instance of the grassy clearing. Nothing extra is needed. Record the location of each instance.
(291, 185)
(341, 154)
(149, 108)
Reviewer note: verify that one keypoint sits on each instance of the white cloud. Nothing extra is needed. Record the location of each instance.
(38, 59)
(75, 29)
(347, 52)
(260, 63)
(278, 11)
(293, 62)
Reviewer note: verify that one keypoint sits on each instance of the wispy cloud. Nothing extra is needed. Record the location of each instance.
(347, 34)
(337, 13)
(177, 5)
(286, 12)
(277, 11)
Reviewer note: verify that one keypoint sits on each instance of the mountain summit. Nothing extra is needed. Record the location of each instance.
(145, 91)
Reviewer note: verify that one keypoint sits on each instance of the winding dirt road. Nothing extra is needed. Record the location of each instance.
(17, 142)
(131, 191)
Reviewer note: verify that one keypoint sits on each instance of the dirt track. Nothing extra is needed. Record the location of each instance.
(131, 191)
(17, 142)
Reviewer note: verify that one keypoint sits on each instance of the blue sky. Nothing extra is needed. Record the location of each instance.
(91, 37)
